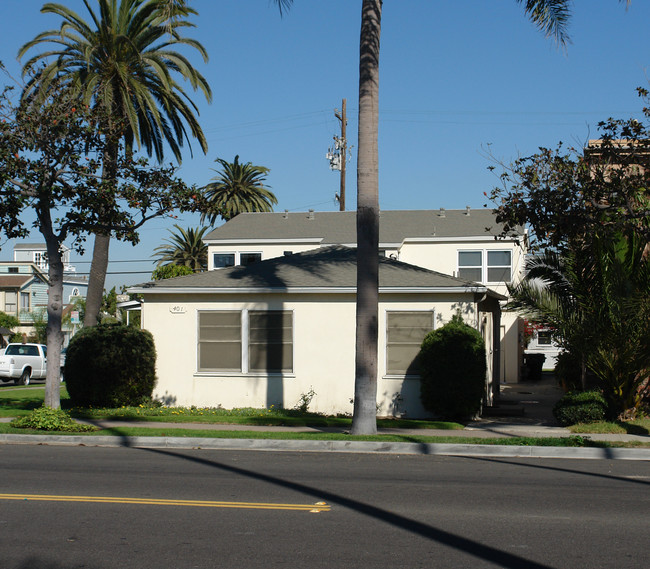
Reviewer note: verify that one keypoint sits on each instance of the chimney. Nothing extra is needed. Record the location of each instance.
(467, 210)
(311, 214)
(286, 214)
(441, 213)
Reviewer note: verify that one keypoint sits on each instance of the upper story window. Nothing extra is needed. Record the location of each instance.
(40, 260)
(222, 260)
(485, 266)
(249, 258)
(12, 270)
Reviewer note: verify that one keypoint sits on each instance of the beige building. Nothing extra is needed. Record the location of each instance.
(269, 332)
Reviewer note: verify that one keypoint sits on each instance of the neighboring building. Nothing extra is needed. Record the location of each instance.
(458, 243)
(268, 332)
(23, 293)
(36, 253)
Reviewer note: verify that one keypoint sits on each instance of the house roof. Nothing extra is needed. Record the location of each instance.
(15, 281)
(339, 227)
(330, 269)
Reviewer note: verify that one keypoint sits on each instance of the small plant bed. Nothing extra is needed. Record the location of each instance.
(50, 420)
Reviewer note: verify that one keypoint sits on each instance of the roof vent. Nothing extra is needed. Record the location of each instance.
(467, 210)
(441, 213)
(286, 214)
(311, 214)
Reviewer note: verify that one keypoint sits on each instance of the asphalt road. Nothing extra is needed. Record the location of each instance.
(73, 507)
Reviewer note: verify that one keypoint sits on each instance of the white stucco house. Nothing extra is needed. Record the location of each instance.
(266, 333)
(459, 243)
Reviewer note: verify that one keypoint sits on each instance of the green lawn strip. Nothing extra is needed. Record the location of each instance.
(636, 427)
(573, 441)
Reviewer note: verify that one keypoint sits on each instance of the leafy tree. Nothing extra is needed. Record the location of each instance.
(51, 163)
(170, 271)
(8, 321)
(185, 248)
(551, 17)
(123, 62)
(237, 188)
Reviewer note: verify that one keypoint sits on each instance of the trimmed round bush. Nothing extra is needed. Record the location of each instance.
(110, 366)
(452, 371)
(580, 407)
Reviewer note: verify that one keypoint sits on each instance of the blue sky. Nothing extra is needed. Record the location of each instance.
(458, 79)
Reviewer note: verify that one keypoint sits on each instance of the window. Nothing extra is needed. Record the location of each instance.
(544, 338)
(249, 258)
(220, 341)
(40, 260)
(498, 269)
(13, 270)
(11, 298)
(470, 265)
(485, 266)
(270, 341)
(221, 260)
(243, 341)
(404, 334)
(24, 301)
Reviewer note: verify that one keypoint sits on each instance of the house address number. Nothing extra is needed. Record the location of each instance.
(177, 309)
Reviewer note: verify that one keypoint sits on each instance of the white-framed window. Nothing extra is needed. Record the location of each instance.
(75, 292)
(257, 341)
(11, 301)
(405, 331)
(40, 259)
(24, 301)
(246, 259)
(470, 265)
(222, 260)
(485, 266)
(544, 338)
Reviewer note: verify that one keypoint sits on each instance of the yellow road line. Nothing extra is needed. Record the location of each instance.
(314, 508)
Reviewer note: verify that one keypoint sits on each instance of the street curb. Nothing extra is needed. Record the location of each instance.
(431, 449)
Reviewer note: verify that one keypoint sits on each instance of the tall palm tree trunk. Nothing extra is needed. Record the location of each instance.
(99, 264)
(364, 419)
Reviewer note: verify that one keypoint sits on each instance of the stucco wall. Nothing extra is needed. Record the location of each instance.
(323, 347)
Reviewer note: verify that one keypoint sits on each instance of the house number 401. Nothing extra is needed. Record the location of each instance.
(177, 309)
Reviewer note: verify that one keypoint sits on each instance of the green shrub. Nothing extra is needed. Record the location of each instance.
(580, 407)
(48, 419)
(110, 366)
(567, 371)
(452, 364)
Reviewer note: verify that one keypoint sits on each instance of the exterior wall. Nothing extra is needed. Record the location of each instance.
(550, 351)
(323, 348)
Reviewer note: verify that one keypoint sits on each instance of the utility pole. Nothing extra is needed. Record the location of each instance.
(338, 156)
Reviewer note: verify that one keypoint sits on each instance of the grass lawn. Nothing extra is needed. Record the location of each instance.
(19, 401)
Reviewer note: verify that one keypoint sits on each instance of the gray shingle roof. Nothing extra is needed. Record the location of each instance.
(327, 267)
(339, 227)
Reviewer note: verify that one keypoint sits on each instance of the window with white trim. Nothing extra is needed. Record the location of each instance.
(485, 266)
(258, 341)
(222, 260)
(24, 301)
(404, 334)
(246, 259)
(11, 300)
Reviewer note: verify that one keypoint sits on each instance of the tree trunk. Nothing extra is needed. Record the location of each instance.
(98, 269)
(364, 419)
(99, 264)
(54, 317)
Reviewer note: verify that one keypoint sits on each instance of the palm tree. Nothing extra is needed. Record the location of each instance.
(551, 16)
(595, 298)
(237, 188)
(185, 248)
(123, 61)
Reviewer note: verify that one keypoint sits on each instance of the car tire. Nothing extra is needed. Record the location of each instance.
(24, 378)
